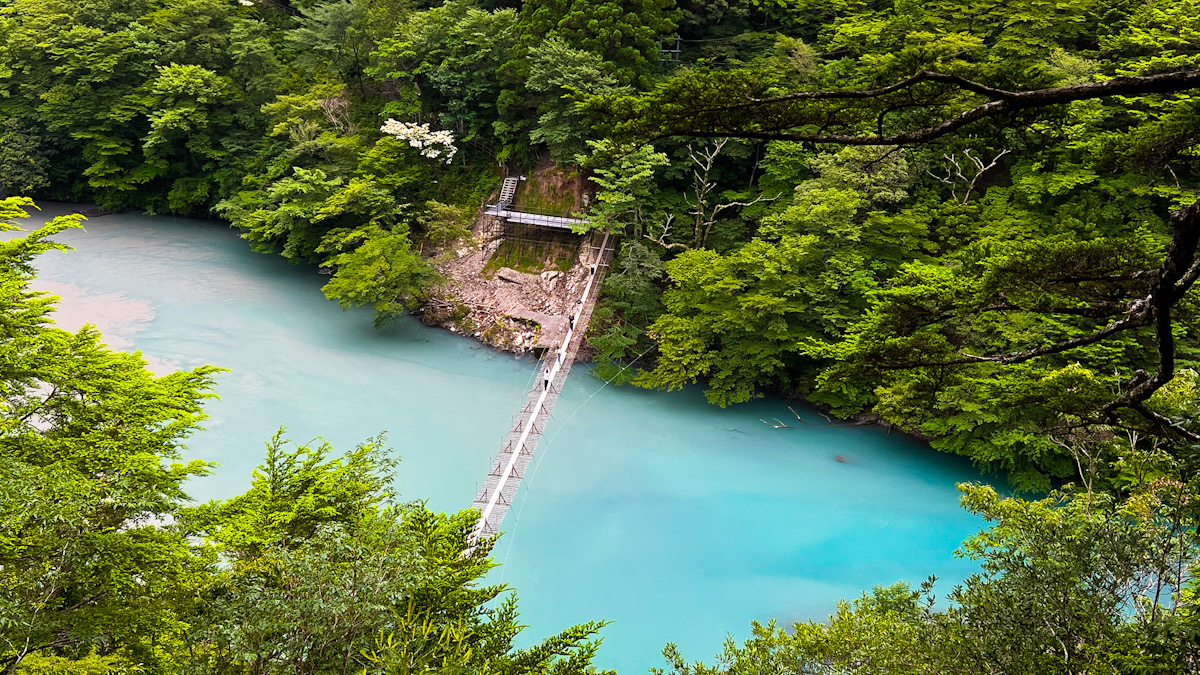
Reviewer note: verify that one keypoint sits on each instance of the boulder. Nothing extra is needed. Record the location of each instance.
(513, 276)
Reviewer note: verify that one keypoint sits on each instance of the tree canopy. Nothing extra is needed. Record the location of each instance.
(977, 222)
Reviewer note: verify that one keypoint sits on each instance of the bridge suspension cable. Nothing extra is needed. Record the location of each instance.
(508, 467)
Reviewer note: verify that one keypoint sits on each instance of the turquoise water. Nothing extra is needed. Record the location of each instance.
(678, 521)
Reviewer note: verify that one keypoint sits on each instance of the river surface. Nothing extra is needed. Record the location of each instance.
(676, 520)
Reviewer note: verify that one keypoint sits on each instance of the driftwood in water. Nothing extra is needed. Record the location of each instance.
(829, 419)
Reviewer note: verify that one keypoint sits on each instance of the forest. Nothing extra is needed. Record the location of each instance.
(974, 221)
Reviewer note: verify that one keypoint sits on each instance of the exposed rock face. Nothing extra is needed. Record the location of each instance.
(512, 311)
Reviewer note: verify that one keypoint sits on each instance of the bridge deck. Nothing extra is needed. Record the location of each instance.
(561, 222)
(508, 468)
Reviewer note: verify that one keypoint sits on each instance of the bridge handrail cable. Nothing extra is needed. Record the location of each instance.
(515, 450)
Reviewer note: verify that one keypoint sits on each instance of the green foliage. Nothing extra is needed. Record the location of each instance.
(317, 562)
(625, 176)
(934, 345)
(92, 664)
(314, 569)
(736, 320)
(288, 212)
(89, 480)
(921, 285)
(375, 266)
(1088, 568)
(331, 35)
(739, 320)
(25, 162)
(293, 494)
(629, 300)
(624, 33)
(453, 52)
(558, 72)
(141, 103)
(327, 575)
(188, 112)
(974, 247)
(314, 606)
(451, 623)
(444, 224)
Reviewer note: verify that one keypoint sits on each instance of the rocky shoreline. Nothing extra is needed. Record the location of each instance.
(508, 310)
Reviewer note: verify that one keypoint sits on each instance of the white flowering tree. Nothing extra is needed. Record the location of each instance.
(431, 144)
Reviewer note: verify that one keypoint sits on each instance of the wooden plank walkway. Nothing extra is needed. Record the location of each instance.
(508, 468)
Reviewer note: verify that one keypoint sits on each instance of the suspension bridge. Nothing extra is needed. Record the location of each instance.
(508, 467)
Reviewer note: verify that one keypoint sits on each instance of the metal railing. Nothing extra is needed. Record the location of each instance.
(508, 467)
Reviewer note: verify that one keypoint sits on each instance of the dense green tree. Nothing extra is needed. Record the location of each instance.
(330, 34)
(625, 33)
(379, 267)
(454, 52)
(293, 494)
(631, 301)
(1006, 270)
(740, 320)
(287, 213)
(317, 562)
(322, 572)
(92, 664)
(736, 320)
(313, 606)
(24, 166)
(558, 72)
(917, 346)
(453, 622)
(445, 224)
(624, 175)
(1037, 186)
(328, 575)
(119, 85)
(89, 480)
(188, 112)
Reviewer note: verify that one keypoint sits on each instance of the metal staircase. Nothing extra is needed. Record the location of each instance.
(508, 190)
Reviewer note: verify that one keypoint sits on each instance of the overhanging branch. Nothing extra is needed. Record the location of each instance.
(731, 119)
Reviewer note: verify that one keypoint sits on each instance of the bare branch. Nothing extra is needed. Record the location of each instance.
(925, 76)
(661, 239)
(1135, 320)
(952, 178)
